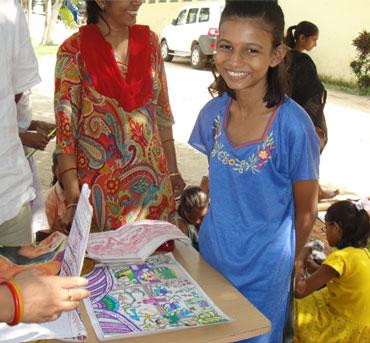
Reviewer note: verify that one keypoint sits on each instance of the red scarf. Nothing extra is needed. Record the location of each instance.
(132, 92)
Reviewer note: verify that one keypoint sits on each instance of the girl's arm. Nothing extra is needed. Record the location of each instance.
(305, 203)
(318, 279)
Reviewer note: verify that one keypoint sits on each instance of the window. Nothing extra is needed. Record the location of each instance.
(192, 16)
(203, 15)
(181, 17)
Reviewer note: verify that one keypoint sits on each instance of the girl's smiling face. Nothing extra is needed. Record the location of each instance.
(245, 53)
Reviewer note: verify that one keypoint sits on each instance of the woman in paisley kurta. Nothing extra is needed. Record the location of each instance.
(114, 122)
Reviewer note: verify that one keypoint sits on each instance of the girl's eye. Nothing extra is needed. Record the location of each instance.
(224, 47)
(252, 51)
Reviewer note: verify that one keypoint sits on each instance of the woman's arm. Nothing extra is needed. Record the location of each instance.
(318, 279)
(69, 180)
(165, 122)
(178, 183)
(305, 203)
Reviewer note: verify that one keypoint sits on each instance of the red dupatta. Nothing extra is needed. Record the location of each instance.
(132, 92)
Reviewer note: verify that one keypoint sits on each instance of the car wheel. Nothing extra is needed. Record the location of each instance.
(197, 59)
(165, 51)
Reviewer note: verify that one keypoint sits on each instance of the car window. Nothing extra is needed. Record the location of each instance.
(181, 18)
(204, 15)
(192, 16)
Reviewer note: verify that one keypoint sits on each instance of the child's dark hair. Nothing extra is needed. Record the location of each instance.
(54, 165)
(193, 197)
(272, 16)
(305, 28)
(354, 222)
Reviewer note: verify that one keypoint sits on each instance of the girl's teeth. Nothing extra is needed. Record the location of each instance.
(236, 74)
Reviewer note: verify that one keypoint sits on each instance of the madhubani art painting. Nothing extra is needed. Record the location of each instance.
(147, 298)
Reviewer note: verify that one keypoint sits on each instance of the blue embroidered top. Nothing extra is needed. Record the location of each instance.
(248, 232)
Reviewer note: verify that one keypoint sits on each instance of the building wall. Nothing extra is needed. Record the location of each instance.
(339, 22)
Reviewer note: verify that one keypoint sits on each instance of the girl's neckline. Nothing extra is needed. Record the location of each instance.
(266, 130)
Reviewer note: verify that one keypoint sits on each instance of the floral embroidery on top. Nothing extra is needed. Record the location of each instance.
(254, 163)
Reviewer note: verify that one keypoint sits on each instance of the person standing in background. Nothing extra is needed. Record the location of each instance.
(306, 88)
(29, 297)
(19, 73)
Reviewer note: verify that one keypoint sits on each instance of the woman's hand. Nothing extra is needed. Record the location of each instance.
(178, 184)
(46, 297)
(63, 224)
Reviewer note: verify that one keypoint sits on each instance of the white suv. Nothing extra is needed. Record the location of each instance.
(193, 33)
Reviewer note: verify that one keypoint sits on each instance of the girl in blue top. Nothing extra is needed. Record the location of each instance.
(263, 162)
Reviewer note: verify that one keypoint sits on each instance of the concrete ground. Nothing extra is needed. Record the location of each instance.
(345, 162)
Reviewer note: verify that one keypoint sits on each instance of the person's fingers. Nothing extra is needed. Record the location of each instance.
(75, 294)
(70, 305)
(73, 282)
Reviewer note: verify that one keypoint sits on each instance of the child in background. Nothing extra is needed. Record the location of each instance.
(55, 202)
(338, 312)
(193, 207)
(35, 135)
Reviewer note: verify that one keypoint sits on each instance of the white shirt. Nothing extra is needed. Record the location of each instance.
(18, 73)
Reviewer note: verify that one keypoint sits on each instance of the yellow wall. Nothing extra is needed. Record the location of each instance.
(339, 22)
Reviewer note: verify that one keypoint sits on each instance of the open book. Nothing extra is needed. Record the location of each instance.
(155, 297)
(132, 243)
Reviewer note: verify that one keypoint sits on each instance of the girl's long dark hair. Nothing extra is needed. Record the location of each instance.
(305, 28)
(271, 14)
(354, 221)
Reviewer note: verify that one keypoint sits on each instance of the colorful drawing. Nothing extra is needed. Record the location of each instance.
(148, 298)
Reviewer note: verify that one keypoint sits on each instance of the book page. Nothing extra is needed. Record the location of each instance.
(149, 298)
(133, 241)
(77, 239)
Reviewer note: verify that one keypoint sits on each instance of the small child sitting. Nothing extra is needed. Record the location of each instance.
(336, 297)
(192, 208)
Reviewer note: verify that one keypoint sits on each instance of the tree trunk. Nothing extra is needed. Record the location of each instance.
(52, 23)
(47, 21)
(29, 10)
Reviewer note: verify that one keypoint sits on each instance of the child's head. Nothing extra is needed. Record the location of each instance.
(347, 224)
(250, 49)
(193, 205)
(302, 36)
(54, 168)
